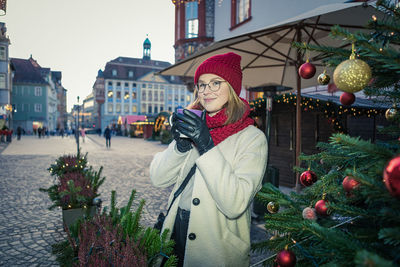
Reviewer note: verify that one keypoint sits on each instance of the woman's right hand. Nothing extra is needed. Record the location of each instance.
(182, 144)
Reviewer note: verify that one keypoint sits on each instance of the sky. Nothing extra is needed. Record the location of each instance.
(78, 37)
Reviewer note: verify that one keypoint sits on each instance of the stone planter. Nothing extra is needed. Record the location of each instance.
(70, 216)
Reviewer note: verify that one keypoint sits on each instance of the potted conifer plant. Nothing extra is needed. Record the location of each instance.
(115, 238)
(75, 187)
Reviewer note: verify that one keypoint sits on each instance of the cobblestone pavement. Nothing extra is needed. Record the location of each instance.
(28, 228)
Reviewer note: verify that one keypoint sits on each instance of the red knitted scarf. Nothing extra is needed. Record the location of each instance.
(219, 132)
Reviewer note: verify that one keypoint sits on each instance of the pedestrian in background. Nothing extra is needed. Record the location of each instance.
(19, 132)
(107, 135)
(83, 134)
(210, 220)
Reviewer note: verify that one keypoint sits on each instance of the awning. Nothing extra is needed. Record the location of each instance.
(267, 55)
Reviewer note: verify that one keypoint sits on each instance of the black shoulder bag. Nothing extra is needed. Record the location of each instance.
(161, 217)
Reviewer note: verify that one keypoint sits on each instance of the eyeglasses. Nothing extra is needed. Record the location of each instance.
(213, 85)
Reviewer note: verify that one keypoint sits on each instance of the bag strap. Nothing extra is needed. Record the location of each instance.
(182, 186)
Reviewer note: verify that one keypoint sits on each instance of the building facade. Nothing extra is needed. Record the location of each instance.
(194, 26)
(61, 100)
(6, 109)
(130, 86)
(88, 121)
(34, 96)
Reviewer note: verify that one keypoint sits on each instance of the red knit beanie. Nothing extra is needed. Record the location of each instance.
(227, 66)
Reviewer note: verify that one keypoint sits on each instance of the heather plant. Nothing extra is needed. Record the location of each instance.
(75, 184)
(114, 238)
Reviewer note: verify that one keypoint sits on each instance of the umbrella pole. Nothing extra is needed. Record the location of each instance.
(298, 112)
(298, 131)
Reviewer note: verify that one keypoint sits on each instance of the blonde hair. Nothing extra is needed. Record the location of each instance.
(235, 108)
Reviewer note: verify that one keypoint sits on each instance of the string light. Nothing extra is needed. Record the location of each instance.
(335, 113)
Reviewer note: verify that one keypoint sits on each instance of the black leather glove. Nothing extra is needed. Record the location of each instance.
(196, 129)
(182, 144)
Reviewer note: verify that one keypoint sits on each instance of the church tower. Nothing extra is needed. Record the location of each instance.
(147, 49)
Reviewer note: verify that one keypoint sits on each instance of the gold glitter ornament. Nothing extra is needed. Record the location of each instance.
(323, 78)
(273, 207)
(390, 114)
(352, 75)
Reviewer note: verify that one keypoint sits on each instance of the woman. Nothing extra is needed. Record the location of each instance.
(210, 219)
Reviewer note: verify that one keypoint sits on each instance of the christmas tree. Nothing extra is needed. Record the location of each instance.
(348, 213)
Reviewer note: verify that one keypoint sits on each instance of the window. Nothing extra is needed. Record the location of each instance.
(169, 108)
(118, 94)
(192, 21)
(150, 85)
(38, 107)
(134, 109)
(38, 91)
(110, 108)
(161, 96)
(130, 74)
(143, 85)
(133, 95)
(114, 72)
(3, 55)
(150, 96)
(156, 96)
(182, 98)
(126, 85)
(169, 97)
(176, 97)
(109, 83)
(126, 95)
(2, 80)
(155, 109)
(126, 108)
(241, 11)
(118, 108)
(156, 86)
(143, 107)
(133, 84)
(161, 108)
(150, 109)
(118, 84)
(188, 98)
(144, 95)
(110, 94)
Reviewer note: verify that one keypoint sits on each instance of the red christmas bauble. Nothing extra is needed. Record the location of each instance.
(391, 176)
(307, 178)
(286, 258)
(349, 183)
(347, 98)
(307, 70)
(321, 208)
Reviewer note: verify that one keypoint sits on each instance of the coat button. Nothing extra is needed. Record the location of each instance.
(192, 236)
(196, 201)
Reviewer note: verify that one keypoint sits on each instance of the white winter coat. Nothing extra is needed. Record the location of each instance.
(226, 179)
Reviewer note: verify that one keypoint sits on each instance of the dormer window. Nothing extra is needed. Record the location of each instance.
(130, 74)
(114, 72)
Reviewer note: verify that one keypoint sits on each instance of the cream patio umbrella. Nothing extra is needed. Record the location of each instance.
(267, 54)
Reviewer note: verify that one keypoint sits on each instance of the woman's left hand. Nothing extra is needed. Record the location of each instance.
(196, 129)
